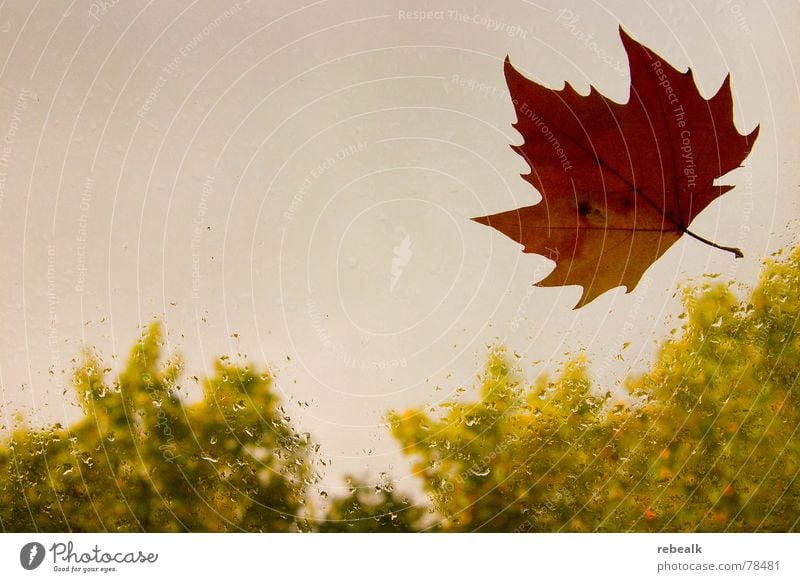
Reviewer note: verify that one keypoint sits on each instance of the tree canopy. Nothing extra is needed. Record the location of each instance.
(143, 460)
(705, 440)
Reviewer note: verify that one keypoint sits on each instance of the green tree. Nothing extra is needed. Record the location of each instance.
(143, 460)
(707, 440)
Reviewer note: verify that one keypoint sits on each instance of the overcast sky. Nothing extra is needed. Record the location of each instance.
(295, 183)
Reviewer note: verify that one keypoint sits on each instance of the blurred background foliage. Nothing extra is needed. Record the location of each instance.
(142, 460)
(706, 440)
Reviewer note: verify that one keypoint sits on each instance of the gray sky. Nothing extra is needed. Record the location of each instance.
(303, 177)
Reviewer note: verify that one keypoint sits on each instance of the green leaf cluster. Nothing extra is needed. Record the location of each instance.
(144, 460)
(706, 440)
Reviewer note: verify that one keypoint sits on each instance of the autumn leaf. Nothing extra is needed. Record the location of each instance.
(620, 183)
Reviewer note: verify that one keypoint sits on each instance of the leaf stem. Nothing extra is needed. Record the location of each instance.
(736, 252)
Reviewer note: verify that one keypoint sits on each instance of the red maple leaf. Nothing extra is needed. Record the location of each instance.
(620, 183)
